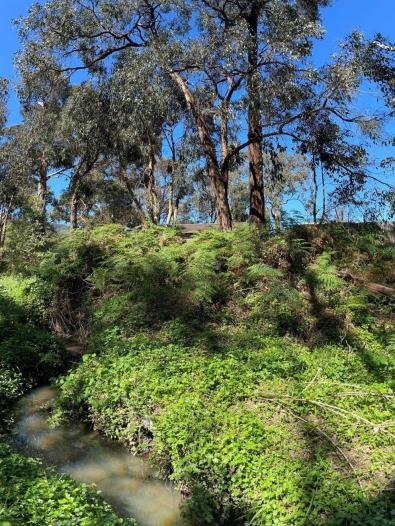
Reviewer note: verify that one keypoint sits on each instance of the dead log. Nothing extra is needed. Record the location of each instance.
(374, 288)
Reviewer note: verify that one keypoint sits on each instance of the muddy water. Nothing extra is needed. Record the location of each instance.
(125, 481)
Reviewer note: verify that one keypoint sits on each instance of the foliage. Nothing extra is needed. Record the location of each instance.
(12, 386)
(197, 71)
(244, 424)
(29, 493)
(25, 244)
(250, 372)
(26, 345)
(32, 495)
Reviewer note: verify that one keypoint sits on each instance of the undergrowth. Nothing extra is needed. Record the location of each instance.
(244, 364)
(29, 355)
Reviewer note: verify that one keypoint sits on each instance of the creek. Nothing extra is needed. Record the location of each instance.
(127, 482)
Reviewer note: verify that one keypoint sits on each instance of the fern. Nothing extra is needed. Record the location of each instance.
(323, 273)
(260, 271)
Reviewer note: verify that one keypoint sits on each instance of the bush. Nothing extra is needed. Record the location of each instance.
(25, 343)
(29, 354)
(251, 430)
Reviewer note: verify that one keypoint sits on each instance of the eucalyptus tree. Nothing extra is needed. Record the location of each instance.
(96, 30)
(85, 137)
(3, 104)
(15, 183)
(143, 104)
(273, 40)
(328, 130)
(42, 94)
(377, 57)
(226, 58)
(42, 153)
(178, 169)
(287, 175)
(5, 197)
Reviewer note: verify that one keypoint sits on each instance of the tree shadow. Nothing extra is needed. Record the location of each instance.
(333, 329)
(349, 505)
(377, 511)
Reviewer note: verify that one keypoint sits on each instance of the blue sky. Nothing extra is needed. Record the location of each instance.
(339, 19)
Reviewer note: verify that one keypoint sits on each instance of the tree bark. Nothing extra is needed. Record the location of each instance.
(224, 141)
(74, 198)
(126, 182)
(323, 217)
(219, 184)
(257, 194)
(374, 288)
(4, 218)
(175, 212)
(74, 205)
(315, 191)
(153, 202)
(84, 167)
(171, 211)
(42, 194)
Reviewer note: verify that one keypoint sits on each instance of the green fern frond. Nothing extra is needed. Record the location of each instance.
(260, 271)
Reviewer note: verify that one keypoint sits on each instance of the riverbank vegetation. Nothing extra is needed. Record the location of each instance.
(247, 368)
(29, 356)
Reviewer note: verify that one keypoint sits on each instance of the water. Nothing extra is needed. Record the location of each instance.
(125, 481)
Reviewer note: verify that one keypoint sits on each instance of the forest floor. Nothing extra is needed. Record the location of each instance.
(255, 369)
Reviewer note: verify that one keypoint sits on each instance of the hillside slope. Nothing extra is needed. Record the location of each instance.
(243, 364)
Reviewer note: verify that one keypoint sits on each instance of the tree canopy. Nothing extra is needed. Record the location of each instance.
(183, 106)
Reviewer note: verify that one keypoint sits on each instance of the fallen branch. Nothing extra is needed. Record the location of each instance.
(343, 413)
(374, 288)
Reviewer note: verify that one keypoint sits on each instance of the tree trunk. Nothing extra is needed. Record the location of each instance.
(74, 205)
(257, 194)
(153, 202)
(126, 182)
(4, 217)
(42, 194)
(276, 216)
(224, 141)
(2, 240)
(170, 209)
(219, 184)
(84, 168)
(75, 198)
(315, 191)
(171, 212)
(323, 217)
(175, 213)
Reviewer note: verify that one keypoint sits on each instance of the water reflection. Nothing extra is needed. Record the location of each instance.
(125, 481)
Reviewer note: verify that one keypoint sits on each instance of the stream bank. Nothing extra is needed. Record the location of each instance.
(125, 481)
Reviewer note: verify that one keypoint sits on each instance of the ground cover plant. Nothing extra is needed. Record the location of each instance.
(29, 355)
(248, 367)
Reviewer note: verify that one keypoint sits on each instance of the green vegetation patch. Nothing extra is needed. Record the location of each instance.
(34, 496)
(245, 364)
(274, 433)
(29, 493)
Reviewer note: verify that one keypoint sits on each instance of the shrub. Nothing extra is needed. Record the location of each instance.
(25, 343)
(250, 429)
